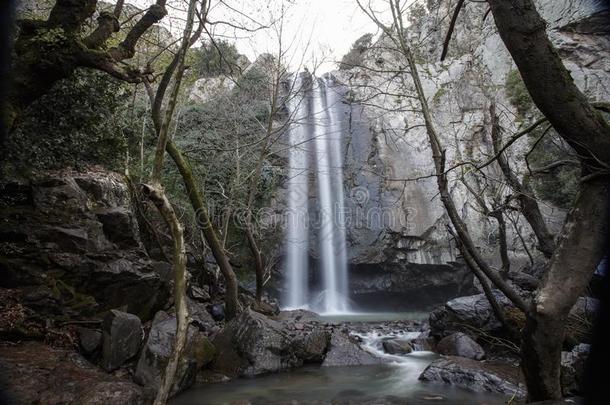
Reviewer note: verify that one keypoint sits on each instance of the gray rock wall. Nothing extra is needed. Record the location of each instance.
(386, 142)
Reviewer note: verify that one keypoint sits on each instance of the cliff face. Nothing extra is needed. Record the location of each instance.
(386, 142)
(70, 247)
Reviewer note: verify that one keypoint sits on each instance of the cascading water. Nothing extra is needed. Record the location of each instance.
(297, 238)
(317, 132)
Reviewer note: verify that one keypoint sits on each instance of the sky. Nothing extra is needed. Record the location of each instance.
(321, 30)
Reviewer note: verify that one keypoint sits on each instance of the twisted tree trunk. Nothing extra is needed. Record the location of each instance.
(583, 238)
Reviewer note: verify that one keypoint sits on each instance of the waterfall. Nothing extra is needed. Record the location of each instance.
(297, 239)
(316, 131)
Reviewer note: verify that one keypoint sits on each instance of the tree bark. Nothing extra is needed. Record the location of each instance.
(159, 199)
(583, 238)
(579, 251)
(157, 195)
(258, 262)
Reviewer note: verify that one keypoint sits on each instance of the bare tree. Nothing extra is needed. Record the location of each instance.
(576, 120)
(157, 195)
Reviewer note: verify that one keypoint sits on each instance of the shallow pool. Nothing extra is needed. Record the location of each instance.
(393, 383)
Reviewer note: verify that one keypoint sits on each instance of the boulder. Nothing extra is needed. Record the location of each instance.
(471, 311)
(311, 347)
(344, 351)
(573, 369)
(90, 340)
(34, 373)
(298, 315)
(585, 308)
(200, 316)
(423, 344)
(462, 345)
(121, 338)
(218, 312)
(253, 344)
(579, 328)
(157, 350)
(201, 294)
(397, 346)
(476, 376)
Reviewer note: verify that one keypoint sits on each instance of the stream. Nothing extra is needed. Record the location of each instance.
(393, 382)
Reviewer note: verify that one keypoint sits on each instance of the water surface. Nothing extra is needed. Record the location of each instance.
(394, 383)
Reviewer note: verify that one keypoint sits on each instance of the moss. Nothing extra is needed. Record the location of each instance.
(203, 351)
(71, 298)
(517, 92)
(515, 318)
(439, 94)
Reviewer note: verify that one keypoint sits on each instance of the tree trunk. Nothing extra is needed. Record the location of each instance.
(580, 249)
(583, 238)
(203, 221)
(159, 199)
(258, 262)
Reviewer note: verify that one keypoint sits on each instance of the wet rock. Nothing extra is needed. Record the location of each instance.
(462, 345)
(397, 346)
(90, 340)
(122, 336)
(299, 315)
(218, 312)
(265, 308)
(476, 376)
(200, 316)
(36, 373)
(201, 294)
(119, 226)
(75, 234)
(463, 312)
(573, 369)
(580, 321)
(424, 342)
(253, 344)
(157, 350)
(393, 284)
(585, 308)
(312, 347)
(343, 351)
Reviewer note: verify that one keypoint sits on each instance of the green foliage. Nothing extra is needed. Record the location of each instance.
(517, 92)
(355, 56)
(80, 122)
(439, 93)
(221, 139)
(214, 60)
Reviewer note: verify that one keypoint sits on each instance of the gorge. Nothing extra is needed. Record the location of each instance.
(192, 215)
